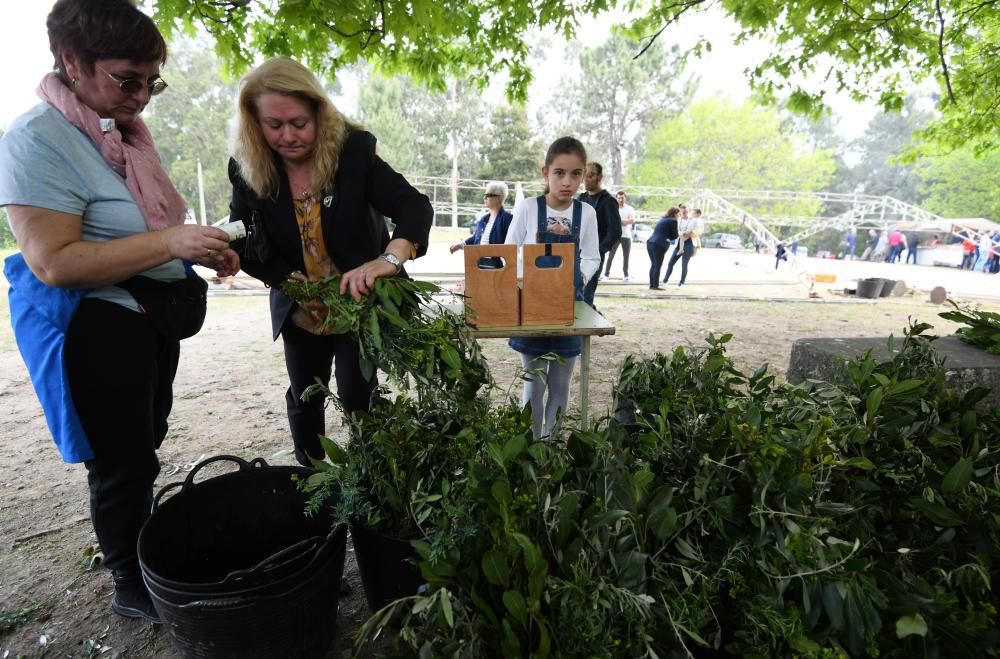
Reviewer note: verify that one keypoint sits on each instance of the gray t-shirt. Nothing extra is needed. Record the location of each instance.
(47, 162)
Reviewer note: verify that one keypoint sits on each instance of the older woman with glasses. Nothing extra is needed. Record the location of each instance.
(491, 227)
(96, 217)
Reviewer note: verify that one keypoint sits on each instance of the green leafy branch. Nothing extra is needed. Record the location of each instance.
(402, 330)
(983, 327)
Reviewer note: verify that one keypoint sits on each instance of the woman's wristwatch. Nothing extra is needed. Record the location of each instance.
(393, 259)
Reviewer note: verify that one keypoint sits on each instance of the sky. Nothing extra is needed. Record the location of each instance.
(25, 58)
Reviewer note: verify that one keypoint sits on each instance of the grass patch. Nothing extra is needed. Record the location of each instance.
(11, 620)
(449, 235)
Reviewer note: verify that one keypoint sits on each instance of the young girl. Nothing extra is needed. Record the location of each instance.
(555, 217)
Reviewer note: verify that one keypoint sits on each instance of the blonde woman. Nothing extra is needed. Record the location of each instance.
(311, 184)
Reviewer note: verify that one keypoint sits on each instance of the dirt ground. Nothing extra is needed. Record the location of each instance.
(229, 400)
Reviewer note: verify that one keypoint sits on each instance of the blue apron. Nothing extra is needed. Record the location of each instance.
(40, 316)
(564, 346)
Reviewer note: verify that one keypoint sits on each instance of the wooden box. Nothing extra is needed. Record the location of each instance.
(547, 294)
(492, 298)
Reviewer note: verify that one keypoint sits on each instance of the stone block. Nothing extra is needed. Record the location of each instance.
(966, 365)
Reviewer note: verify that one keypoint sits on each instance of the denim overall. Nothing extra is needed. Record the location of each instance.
(564, 346)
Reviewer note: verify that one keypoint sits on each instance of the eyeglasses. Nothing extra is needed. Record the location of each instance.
(490, 194)
(135, 85)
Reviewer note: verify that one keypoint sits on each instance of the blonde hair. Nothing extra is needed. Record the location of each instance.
(253, 154)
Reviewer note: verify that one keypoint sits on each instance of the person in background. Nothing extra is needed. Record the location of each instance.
(869, 251)
(663, 236)
(911, 240)
(609, 223)
(780, 254)
(895, 243)
(993, 265)
(627, 214)
(850, 244)
(491, 227)
(311, 178)
(688, 241)
(985, 247)
(881, 247)
(91, 208)
(555, 217)
(968, 253)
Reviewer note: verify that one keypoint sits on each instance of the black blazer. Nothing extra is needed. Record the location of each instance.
(364, 192)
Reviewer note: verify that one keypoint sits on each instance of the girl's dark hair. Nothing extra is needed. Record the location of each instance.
(565, 146)
(102, 29)
(673, 211)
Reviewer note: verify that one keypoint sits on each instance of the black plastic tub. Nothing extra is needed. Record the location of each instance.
(887, 287)
(870, 288)
(236, 569)
(387, 566)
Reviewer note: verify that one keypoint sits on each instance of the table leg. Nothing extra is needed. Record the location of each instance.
(584, 381)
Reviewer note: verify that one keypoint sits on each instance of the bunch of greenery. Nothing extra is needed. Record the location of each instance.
(983, 326)
(401, 330)
(733, 513)
(404, 454)
(404, 460)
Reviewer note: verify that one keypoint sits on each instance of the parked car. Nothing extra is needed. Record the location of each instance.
(642, 232)
(726, 240)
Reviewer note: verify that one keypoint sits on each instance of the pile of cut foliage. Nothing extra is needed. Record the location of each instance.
(732, 514)
(720, 513)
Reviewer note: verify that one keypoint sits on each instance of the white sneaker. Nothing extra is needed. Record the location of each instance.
(603, 278)
(680, 285)
(626, 279)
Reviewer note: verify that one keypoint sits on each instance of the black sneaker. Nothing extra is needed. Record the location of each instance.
(132, 600)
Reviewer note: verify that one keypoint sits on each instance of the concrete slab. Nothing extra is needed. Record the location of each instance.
(967, 365)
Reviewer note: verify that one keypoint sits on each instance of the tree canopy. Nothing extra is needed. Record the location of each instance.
(871, 49)
(190, 124)
(715, 144)
(430, 40)
(510, 151)
(615, 97)
(888, 136)
(868, 48)
(959, 185)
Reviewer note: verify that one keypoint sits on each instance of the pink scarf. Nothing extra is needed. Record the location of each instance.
(129, 151)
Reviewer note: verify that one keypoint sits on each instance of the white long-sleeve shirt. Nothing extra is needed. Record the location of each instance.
(696, 225)
(524, 229)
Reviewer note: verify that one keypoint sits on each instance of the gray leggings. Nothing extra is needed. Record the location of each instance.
(551, 375)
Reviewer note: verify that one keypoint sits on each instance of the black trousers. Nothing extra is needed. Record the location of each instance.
(308, 357)
(656, 254)
(683, 254)
(121, 376)
(590, 288)
(626, 245)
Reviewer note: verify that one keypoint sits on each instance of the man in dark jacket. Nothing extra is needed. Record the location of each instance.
(609, 222)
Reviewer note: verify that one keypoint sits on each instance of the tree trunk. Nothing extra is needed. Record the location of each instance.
(615, 153)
